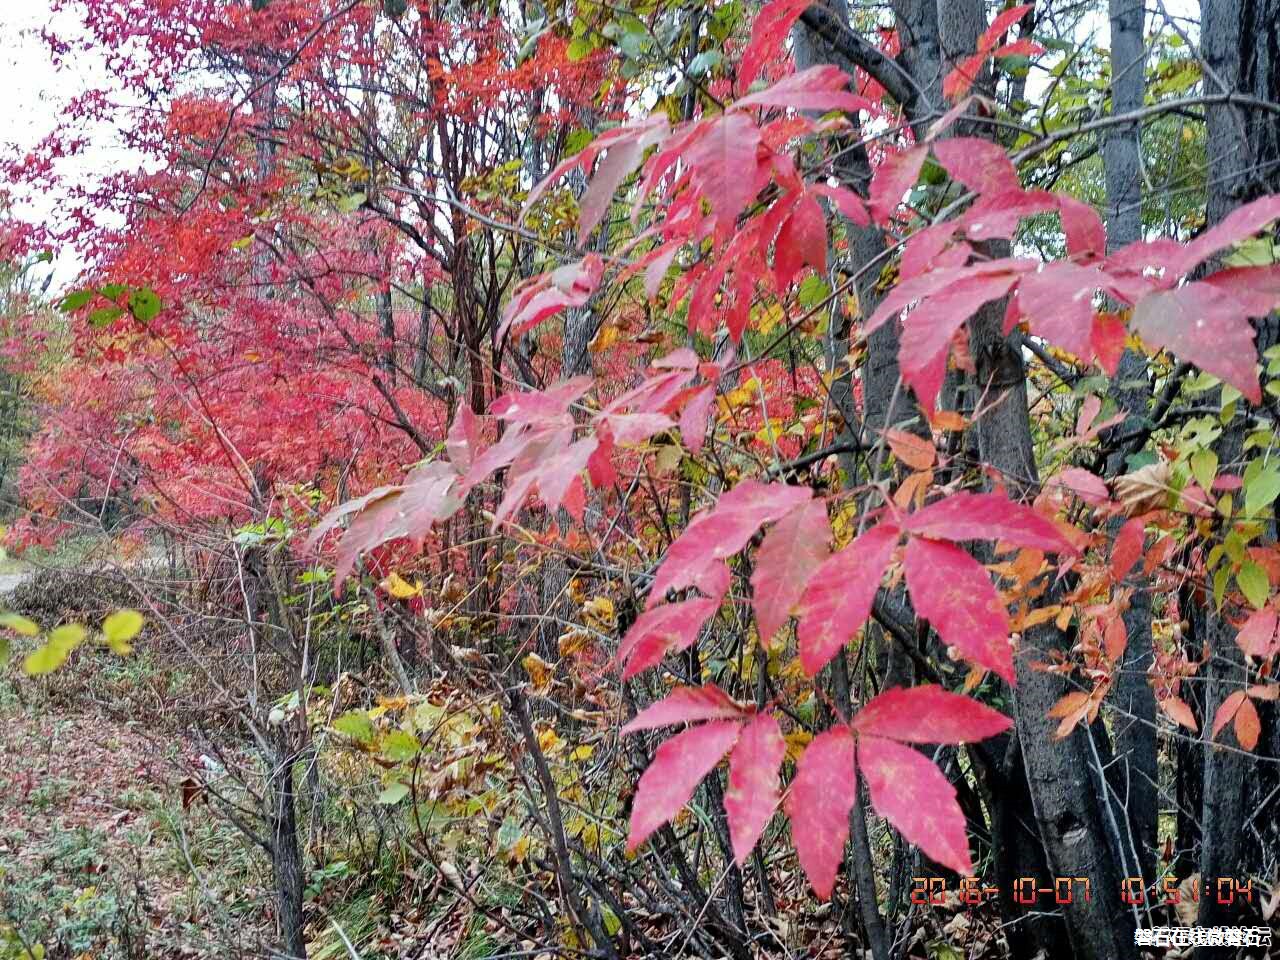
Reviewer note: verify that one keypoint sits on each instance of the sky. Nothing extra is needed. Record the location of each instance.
(33, 93)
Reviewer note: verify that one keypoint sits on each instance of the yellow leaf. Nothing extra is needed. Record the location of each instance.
(121, 627)
(549, 741)
(605, 338)
(69, 635)
(598, 611)
(573, 641)
(770, 318)
(45, 660)
(539, 671)
(400, 588)
(583, 752)
(519, 850)
(18, 624)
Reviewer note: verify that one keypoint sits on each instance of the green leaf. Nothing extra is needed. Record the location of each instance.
(579, 49)
(1221, 577)
(813, 290)
(105, 315)
(4, 650)
(393, 793)
(1253, 583)
(400, 745)
(76, 300)
(121, 627)
(705, 62)
(1204, 467)
(19, 624)
(113, 291)
(351, 203)
(1261, 486)
(144, 304)
(356, 725)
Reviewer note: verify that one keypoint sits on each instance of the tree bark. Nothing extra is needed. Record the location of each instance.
(1135, 776)
(1241, 53)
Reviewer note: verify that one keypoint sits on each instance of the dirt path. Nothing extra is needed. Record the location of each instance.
(11, 581)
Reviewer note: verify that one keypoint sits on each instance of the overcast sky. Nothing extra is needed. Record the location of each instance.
(33, 93)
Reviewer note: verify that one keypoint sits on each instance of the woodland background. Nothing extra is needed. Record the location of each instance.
(475, 420)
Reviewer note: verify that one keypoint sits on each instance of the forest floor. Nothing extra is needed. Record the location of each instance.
(98, 857)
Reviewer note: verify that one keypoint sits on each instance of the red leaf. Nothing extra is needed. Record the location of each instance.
(463, 440)
(390, 513)
(723, 530)
(1107, 339)
(569, 286)
(997, 215)
(534, 406)
(987, 516)
(1087, 486)
(1001, 25)
(896, 175)
(839, 595)
(787, 558)
(625, 151)
(928, 714)
(1022, 47)
(723, 158)
(846, 201)
(927, 331)
(621, 159)
(1202, 324)
(1127, 549)
(753, 783)
(686, 705)
(802, 240)
(1058, 304)
(953, 592)
(924, 246)
(672, 626)
(913, 795)
(980, 165)
(1257, 635)
(1086, 236)
(556, 473)
(693, 418)
(821, 88)
(960, 79)
(818, 804)
(768, 30)
(678, 767)
(933, 282)
(1240, 224)
(1256, 288)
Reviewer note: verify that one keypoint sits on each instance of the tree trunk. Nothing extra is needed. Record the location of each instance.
(1135, 776)
(286, 856)
(1241, 50)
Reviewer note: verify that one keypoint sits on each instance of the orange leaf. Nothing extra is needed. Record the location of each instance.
(1176, 709)
(915, 452)
(1248, 726)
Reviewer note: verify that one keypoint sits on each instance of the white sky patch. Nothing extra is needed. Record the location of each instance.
(33, 95)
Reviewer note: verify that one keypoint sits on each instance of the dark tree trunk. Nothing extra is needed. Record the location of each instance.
(1241, 50)
(286, 856)
(1135, 776)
